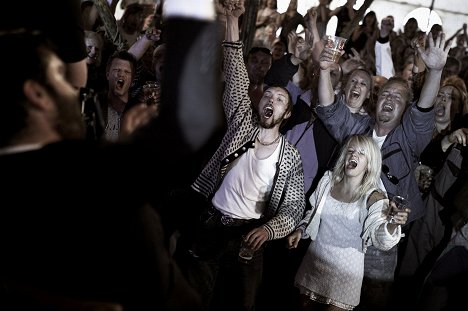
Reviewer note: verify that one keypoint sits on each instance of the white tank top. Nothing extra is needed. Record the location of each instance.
(246, 187)
(383, 60)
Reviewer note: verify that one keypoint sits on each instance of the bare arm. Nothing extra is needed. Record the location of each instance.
(139, 48)
(90, 16)
(326, 95)
(465, 34)
(232, 13)
(232, 28)
(336, 11)
(434, 58)
(110, 24)
(261, 20)
(317, 44)
(449, 40)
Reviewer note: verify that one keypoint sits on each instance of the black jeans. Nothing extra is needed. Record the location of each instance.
(212, 265)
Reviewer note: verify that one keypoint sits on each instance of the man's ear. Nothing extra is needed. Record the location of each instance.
(287, 115)
(37, 95)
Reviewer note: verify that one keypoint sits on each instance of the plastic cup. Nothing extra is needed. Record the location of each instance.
(245, 252)
(425, 177)
(151, 92)
(335, 44)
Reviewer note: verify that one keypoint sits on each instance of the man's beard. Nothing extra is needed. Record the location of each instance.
(384, 118)
(70, 124)
(271, 122)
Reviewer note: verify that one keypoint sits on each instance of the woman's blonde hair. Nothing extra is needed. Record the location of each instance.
(374, 163)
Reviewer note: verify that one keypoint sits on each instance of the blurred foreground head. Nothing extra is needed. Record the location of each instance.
(40, 105)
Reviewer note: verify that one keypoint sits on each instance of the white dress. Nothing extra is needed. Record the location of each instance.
(333, 266)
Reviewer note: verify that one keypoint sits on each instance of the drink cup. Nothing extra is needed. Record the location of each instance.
(401, 204)
(425, 177)
(335, 44)
(245, 252)
(151, 92)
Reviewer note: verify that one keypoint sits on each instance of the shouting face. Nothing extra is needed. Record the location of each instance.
(355, 161)
(446, 105)
(357, 90)
(273, 107)
(119, 77)
(391, 104)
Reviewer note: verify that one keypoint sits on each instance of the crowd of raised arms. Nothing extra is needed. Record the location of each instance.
(159, 162)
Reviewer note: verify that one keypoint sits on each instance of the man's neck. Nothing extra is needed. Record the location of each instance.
(117, 102)
(384, 33)
(383, 129)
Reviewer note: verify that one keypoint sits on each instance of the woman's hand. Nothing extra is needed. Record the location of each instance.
(294, 238)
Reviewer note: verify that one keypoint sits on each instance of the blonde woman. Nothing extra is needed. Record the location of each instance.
(348, 214)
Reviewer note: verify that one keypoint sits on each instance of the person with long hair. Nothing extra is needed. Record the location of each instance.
(348, 214)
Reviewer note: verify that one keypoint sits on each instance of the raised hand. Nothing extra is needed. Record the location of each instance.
(353, 62)
(311, 17)
(311, 23)
(434, 56)
(327, 57)
(234, 8)
(292, 41)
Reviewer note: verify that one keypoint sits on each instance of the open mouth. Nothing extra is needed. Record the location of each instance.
(268, 111)
(120, 83)
(439, 110)
(387, 108)
(355, 94)
(352, 164)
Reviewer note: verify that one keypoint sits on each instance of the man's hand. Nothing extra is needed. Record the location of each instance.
(435, 55)
(256, 237)
(234, 8)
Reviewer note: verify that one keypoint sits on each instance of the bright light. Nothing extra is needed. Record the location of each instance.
(425, 21)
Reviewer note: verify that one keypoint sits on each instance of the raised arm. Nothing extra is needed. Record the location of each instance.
(326, 95)
(110, 24)
(312, 34)
(139, 48)
(434, 57)
(232, 13)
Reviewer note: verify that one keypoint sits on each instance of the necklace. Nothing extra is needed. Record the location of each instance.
(268, 144)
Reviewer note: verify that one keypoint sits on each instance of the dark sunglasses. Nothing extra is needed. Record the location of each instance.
(394, 180)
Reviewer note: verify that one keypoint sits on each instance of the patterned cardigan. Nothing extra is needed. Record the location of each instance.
(286, 202)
